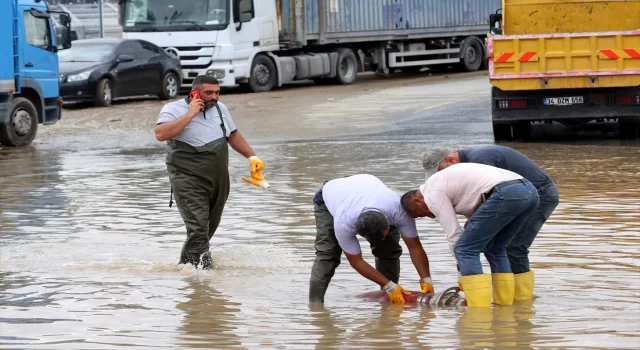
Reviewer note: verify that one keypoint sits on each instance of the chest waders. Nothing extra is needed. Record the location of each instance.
(199, 179)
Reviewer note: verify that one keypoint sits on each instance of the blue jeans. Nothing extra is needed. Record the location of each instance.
(518, 249)
(493, 225)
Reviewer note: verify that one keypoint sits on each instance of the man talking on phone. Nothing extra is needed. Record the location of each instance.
(197, 130)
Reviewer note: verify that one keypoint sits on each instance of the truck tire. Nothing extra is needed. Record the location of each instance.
(629, 129)
(501, 132)
(22, 126)
(170, 87)
(104, 93)
(471, 54)
(521, 130)
(263, 74)
(347, 67)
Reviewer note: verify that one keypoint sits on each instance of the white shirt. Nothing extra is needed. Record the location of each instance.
(459, 189)
(346, 198)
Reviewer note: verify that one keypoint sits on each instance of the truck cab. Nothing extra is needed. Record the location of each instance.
(29, 90)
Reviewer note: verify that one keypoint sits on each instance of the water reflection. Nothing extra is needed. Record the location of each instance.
(210, 320)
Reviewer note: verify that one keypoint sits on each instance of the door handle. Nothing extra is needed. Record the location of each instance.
(28, 64)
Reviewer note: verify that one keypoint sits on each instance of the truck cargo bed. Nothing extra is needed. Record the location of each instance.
(564, 61)
(327, 21)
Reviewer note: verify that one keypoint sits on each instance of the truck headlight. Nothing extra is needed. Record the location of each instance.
(216, 73)
(79, 77)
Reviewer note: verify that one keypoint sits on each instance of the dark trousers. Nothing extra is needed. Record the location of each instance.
(328, 252)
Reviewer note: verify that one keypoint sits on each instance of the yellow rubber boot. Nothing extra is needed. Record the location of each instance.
(524, 285)
(503, 288)
(477, 289)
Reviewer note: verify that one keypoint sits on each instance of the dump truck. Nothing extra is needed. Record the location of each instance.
(260, 44)
(571, 62)
(29, 90)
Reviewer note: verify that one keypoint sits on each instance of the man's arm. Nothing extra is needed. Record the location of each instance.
(240, 145)
(366, 270)
(167, 131)
(418, 256)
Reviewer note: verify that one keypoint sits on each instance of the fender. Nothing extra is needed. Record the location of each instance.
(269, 54)
(33, 84)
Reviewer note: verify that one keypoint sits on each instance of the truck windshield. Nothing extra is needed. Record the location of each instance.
(174, 15)
(86, 53)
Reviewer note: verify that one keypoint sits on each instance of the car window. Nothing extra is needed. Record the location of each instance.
(37, 31)
(129, 48)
(148, 50)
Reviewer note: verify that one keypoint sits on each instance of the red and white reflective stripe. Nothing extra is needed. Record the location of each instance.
(614, 54)
(517, 57)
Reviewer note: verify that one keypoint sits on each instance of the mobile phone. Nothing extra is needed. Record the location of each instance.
(194, 94)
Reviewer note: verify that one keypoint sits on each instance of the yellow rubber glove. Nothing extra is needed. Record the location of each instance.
(396, 293)
(427, 285)
(257, 179)
(256, 164)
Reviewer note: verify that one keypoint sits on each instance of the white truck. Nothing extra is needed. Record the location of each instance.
(260, 44)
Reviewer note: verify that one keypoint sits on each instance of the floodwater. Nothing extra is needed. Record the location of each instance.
(89, 248)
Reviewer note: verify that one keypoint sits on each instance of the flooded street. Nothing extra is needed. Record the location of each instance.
(89, 245)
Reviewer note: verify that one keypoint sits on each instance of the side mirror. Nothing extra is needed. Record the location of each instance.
(62, 27)
(245, 17)
(64, 19)
(495, 23)
(243, 12)
(124, 58)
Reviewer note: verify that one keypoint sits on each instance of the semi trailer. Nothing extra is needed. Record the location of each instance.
(260, 44)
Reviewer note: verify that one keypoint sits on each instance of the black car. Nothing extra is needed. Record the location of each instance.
(101, 70)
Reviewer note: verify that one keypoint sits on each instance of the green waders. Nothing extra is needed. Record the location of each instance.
(199, 179)
(387, 252)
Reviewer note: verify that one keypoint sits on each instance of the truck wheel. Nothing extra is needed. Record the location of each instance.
(521, 130)
(22, 126)
(104, 93)
(501, 132)
(471, 54)
(263, 74)
(629, 130)
(347, 67)
(169, 87)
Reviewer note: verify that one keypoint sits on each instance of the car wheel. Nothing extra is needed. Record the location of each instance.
(263, 74)
(170, 87)
(22, 126)
(104, 93)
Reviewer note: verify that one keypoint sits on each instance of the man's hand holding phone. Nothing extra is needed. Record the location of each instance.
(196, 105)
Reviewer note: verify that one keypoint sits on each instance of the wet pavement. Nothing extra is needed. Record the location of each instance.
(89, 245)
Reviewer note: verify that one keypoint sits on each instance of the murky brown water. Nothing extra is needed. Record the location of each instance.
(89, 249)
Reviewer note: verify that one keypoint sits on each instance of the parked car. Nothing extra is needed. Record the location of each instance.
(101, 70)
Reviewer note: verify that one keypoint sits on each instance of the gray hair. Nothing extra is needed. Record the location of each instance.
(204, 79)
(432, 158)
(371, 224)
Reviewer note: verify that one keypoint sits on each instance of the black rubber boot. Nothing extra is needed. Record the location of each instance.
(317, 290)
(189, 258)
(207, 261)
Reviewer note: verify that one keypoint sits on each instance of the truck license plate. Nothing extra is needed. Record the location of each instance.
(563, 101)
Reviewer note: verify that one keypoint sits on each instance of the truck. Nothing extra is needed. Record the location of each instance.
(569, 62)
(29, 68)
(261, 44)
